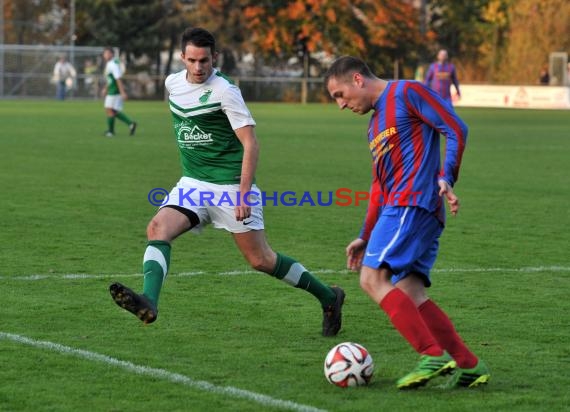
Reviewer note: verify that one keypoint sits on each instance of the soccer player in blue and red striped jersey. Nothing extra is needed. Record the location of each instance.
(398, 243)
(441, 75)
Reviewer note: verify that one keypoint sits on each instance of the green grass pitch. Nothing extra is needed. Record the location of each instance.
(74, 202)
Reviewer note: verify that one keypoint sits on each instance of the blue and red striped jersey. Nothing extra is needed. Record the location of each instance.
(404, 139)
(440, 77)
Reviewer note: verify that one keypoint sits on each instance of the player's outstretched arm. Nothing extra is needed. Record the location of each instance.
(355, 253)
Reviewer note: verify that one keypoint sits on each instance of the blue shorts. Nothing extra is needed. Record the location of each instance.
(404, 240)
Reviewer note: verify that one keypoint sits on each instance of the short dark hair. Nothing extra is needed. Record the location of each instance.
(346, 65)
(198, 37)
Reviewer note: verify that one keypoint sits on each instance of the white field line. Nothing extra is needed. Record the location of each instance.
(163, 374)
(251, 272)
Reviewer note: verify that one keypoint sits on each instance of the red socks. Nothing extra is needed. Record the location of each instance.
(407, 320)
(427, 328)
(444, 331)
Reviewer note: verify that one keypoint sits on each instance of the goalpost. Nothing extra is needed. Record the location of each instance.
(558, 69)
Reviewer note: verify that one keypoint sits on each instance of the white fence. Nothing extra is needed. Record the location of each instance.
(26, 71)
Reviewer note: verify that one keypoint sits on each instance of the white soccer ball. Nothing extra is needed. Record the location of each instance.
(349, 364)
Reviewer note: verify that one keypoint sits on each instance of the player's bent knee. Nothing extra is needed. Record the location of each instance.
(365, 284)
(261, 258)
(374, 281)
(259, 265)
(153, 230)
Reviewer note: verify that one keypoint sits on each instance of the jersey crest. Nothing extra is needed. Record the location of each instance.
(205, 96)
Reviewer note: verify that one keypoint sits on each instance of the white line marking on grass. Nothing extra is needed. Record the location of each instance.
(74, 276)
(230, 391)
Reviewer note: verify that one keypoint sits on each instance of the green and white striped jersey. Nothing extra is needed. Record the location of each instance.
(205, 116)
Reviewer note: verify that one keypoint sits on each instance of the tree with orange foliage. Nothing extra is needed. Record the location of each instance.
(389, 28)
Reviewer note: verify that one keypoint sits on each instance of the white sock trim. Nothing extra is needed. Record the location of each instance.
(294, 275)
(153, 253)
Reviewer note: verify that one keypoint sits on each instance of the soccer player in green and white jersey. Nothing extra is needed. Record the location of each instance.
(218, 152)
(115, 94)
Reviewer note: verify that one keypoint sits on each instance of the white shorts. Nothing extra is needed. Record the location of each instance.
(114, 102)
(215, 204)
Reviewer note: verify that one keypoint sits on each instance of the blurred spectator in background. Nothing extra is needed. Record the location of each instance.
(89, 70)
(441, 75)
(543, 76)
(419, 74)
(64, 76)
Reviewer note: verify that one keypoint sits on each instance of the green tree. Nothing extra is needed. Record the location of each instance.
(463, 28)
(225, 18)
(132, 26)
(146, 28)
(36, 22)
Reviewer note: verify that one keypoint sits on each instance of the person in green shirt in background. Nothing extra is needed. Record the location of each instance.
(115, 94)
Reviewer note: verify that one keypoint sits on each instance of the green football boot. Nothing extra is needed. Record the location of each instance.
(428, 368)
(469, 378)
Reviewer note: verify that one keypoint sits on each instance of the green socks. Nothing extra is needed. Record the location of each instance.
(111, 124)
(157, 260)
(155, 267)
(292, 272)
(123, 118)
